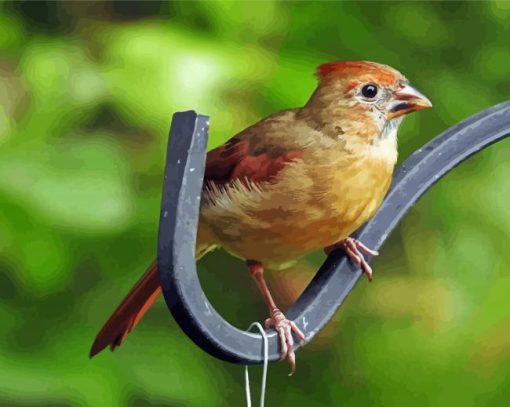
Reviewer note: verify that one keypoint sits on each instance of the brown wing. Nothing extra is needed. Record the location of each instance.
(234, 160)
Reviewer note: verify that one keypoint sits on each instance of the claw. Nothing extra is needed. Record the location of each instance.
(367, 250)
(291, 357)
(283, 342)
(285, 328)
(357, 259)
(355, 250)
(367, 270)
(299, 334)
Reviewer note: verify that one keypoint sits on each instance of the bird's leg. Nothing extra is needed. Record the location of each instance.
(276, 319)
(355, 250)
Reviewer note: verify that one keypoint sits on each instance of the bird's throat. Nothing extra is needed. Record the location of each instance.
(384, 146)
(390, 129)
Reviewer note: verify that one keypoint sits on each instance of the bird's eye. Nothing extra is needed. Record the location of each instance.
(369, 91)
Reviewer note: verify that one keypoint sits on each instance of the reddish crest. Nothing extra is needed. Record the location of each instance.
(351, 69)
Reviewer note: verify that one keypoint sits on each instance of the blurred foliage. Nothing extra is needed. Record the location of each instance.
(87, 90)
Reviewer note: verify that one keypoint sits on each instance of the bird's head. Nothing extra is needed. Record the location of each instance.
(366, 93)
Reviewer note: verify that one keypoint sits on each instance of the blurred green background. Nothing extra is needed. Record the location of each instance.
(87, 90)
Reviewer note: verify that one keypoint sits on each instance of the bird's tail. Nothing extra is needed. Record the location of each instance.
(129, 312)
(133, 307)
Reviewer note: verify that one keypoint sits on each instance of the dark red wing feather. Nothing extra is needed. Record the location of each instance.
(234, 160)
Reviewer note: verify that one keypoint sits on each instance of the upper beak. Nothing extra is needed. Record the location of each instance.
(407, 99)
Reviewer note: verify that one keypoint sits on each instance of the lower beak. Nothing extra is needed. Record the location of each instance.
(407, 100)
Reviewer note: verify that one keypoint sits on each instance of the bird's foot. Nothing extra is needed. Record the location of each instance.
(355, 250)
(284, 328)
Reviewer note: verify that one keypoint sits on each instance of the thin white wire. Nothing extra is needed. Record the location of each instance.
(264, 369)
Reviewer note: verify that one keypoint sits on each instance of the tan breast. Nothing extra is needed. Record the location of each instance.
(340, 200)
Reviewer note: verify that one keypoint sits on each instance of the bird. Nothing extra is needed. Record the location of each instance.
(297, 181)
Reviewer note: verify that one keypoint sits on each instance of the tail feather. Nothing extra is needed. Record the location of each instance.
(137, 302)
(129, 312)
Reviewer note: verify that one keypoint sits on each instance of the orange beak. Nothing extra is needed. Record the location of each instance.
(406, 100)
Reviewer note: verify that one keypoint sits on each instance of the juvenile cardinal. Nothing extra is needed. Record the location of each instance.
(297, 181)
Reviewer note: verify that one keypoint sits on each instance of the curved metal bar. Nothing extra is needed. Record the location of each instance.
(336, 277)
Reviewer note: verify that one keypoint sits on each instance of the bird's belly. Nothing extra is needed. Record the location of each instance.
(280, 225)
